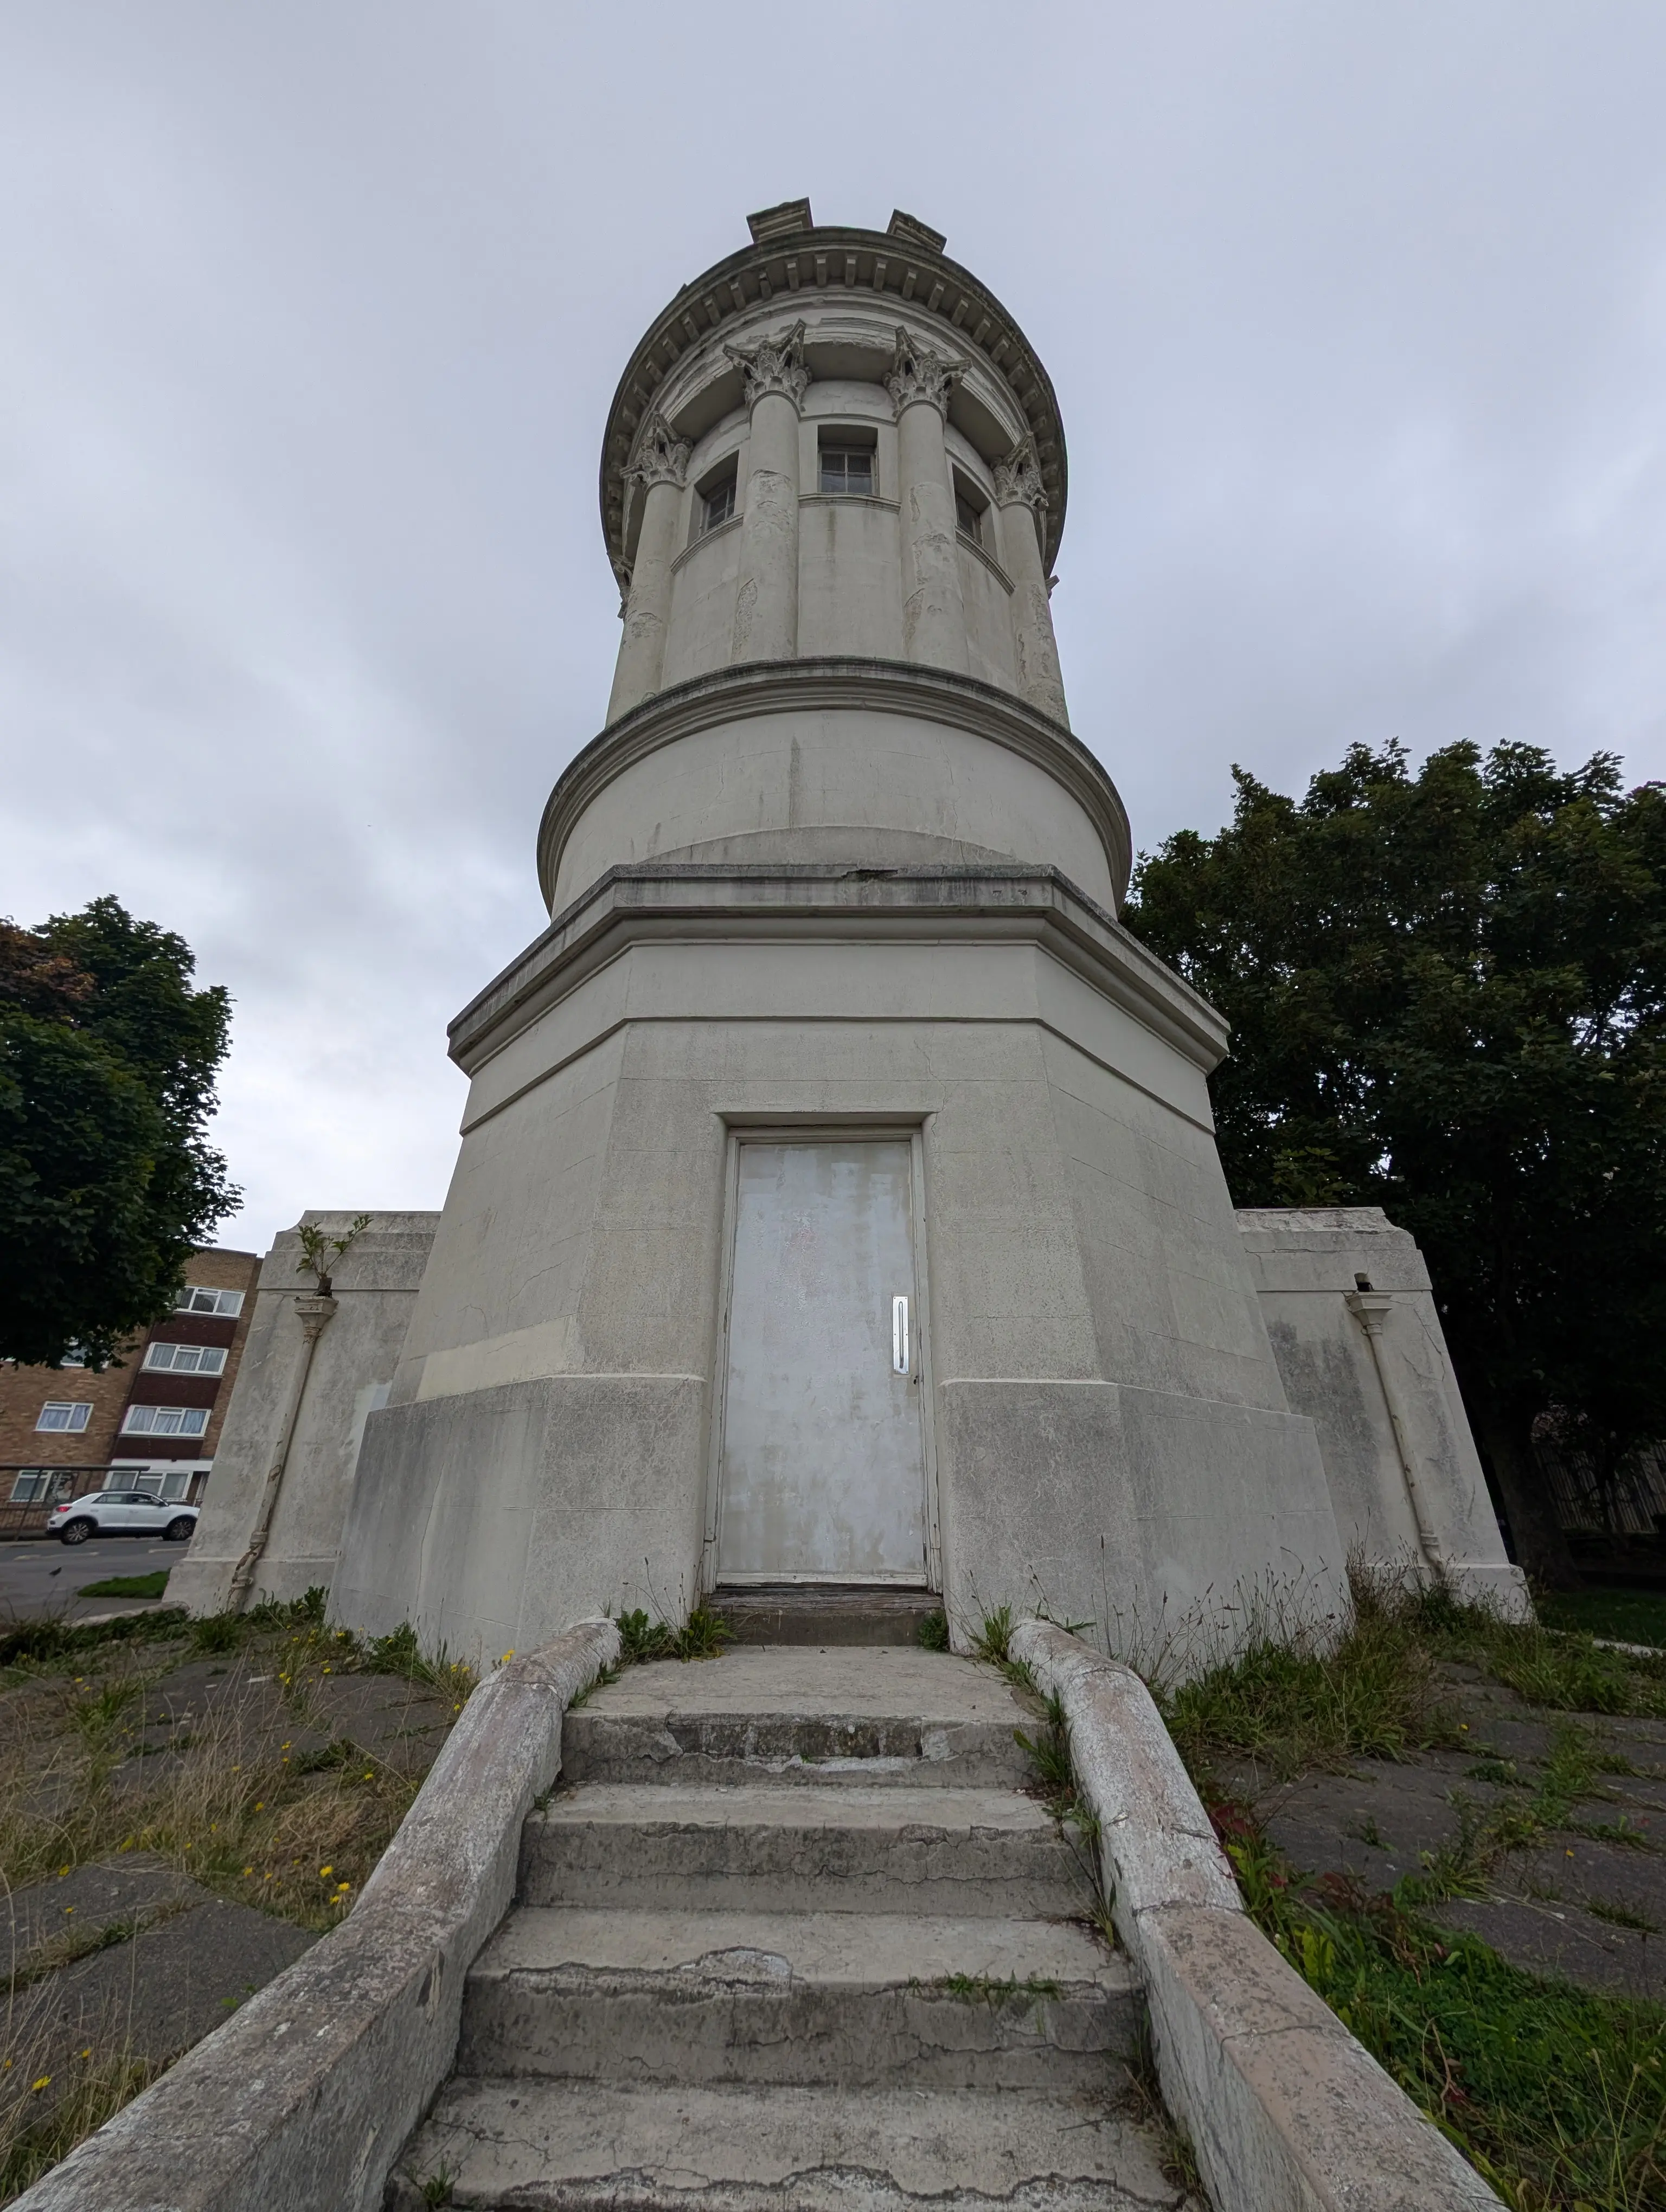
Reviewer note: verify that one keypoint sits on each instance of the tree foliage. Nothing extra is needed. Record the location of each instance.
(1447, 998)
(107, 1061)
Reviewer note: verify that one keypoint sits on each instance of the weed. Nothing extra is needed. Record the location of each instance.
(1622, 1916)
(994, 1639)
(1049, 1754)
(702, 1637)
(218, 1631)
(1177, 2159)
(436, 2187)
(933, 1634)
(983, 1989)
(1500, 1772)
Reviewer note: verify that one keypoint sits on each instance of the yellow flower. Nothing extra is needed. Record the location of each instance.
(248, 1869)
(324, 1871)
(62, 1872)
(69, 1908)
(507, 1656)
(42, 2082)
(87, 2053)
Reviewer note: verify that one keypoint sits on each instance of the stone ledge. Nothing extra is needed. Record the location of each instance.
(830, 685)
(303, 2100)
(1283, 2106)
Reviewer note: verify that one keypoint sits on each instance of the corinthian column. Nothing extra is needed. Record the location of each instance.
(1021, 503)
(766, 613)
(933, 613)
(661, 467)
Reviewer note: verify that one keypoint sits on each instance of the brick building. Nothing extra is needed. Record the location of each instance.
(155, 1418)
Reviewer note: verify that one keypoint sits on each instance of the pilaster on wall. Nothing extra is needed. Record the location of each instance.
(920, 383)
(306, 1412)
(1356, 1335)
(766, 616)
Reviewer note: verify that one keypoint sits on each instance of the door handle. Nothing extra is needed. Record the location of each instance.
(902, 1353)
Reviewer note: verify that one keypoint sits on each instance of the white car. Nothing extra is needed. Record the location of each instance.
(121, 1513)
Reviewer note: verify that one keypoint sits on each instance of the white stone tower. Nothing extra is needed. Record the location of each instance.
(838, 1200)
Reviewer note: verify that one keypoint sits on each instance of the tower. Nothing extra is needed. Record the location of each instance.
(837, 1198)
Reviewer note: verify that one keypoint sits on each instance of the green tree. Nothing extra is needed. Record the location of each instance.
(107, 1061)
(1447, 998)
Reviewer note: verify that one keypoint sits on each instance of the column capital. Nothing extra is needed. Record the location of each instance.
(775, 365)
(917, 372)
(661, 456)
(1019, 479)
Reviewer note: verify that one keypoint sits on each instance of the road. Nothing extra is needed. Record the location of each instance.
(40, 1578)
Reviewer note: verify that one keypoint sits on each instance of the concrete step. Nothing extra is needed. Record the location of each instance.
(845, 1998)
(755, 1847)
(597, 2146)
(878, 1715)
(825, 1613)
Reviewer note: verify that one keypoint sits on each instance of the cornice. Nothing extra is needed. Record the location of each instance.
(894, 687)
(682, 900)
(900, 271)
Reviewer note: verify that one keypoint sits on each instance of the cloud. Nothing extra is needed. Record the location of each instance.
(1356, 318)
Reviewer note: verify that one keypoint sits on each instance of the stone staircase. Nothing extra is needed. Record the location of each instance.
(790, 1934)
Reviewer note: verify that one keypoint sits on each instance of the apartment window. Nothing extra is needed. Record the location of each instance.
(155, 1482)
(188, 1358)
(847, 471)
(968, 515)
(41, 1485)
(70, 1418)
(165, 1421)
(197, 1298)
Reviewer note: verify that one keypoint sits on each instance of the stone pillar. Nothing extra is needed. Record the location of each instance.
(661, 467)
(933, 612)
(1020, 504)
(766, 613)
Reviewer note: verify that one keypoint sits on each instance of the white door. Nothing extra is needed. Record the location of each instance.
(821, 1473)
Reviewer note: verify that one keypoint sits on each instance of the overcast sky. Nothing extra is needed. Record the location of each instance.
(1357, 314)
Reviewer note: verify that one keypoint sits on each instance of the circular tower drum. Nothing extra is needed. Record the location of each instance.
(838, 1202)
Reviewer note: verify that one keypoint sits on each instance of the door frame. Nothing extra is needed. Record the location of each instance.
(823, 1129)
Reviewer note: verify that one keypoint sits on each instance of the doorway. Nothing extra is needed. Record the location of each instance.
(822, 1453)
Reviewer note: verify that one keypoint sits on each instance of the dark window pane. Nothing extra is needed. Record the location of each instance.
(858, 473)
(965, 515)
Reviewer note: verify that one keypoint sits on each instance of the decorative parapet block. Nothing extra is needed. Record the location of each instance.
(1019, 479)
(774, 365)
(919, 373)
(661, 456)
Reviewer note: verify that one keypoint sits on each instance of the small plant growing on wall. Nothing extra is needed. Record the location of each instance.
(320, 1256)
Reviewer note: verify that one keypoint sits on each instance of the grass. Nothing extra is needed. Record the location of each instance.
(703, 1637)
(1633, 1616)
(227, 1801)
(45, 2111)
(933, 1634)
(127, 1585)
(1295, 1702)
(1556, 2095)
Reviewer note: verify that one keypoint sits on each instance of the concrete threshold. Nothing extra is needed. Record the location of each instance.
(825, 1614)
